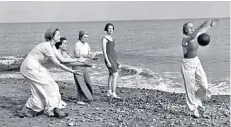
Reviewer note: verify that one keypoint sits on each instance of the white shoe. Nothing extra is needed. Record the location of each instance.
(63, 104)
(49, 113)
(208, 95)
(196, 113)
(81, 103)
(202, 107)
(109, 93)
(115, 96)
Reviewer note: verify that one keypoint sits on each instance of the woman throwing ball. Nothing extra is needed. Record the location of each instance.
(192, 69)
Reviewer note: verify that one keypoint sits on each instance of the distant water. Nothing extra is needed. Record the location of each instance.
(150, 51)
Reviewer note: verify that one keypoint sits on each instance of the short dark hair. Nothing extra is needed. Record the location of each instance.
(107, 25)
(185, 27)
(60, 43)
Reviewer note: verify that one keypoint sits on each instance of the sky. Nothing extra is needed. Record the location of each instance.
(60, 11)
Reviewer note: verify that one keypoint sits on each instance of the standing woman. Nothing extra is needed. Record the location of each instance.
(110, 57)
(82, 51)
(192, 69)
(45, 91)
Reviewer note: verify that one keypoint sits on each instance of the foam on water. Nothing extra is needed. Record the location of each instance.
(134, 77)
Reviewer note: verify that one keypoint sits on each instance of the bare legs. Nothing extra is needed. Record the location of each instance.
(112, 80)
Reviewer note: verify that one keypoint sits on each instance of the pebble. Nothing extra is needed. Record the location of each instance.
(97, 109)
(71, 124)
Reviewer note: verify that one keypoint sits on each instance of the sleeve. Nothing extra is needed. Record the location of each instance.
(48, 50)
(89, 48)
(77, 49)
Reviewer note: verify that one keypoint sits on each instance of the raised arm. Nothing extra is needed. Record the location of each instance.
(201, 29)
(207, 27)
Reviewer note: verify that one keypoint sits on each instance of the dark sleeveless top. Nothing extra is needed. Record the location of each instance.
(110, 50)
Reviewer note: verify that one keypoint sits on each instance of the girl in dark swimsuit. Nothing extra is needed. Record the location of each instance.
(110, 58)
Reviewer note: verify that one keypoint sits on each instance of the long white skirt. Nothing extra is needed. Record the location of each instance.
(45, 91)
(193, 73)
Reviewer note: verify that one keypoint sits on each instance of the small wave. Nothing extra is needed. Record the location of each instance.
(98, 52)
(18, 58)
(10, 63)
(127, 70)
(221, 87)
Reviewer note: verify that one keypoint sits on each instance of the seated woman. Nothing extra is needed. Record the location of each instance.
(83, 83)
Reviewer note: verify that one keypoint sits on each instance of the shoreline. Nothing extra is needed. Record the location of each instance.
(138, 107)
(66, 77)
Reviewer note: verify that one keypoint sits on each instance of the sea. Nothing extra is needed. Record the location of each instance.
(149, 50)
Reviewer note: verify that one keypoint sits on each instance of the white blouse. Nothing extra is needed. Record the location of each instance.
(82, 49)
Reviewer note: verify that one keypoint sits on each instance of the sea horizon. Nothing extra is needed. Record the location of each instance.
(115, 20)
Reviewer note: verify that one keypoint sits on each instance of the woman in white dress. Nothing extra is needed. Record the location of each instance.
(45, 91)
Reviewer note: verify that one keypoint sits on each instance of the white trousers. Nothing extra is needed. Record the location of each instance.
(193, 72)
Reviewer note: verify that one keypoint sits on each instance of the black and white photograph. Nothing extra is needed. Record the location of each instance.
(115, 63)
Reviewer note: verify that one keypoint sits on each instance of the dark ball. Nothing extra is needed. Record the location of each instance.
(203, 39)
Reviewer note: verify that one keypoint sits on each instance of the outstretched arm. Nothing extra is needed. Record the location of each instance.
(65, 55)
(58, 64)
(61, 58)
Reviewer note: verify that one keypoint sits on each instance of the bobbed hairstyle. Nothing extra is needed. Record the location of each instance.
(107, 25)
